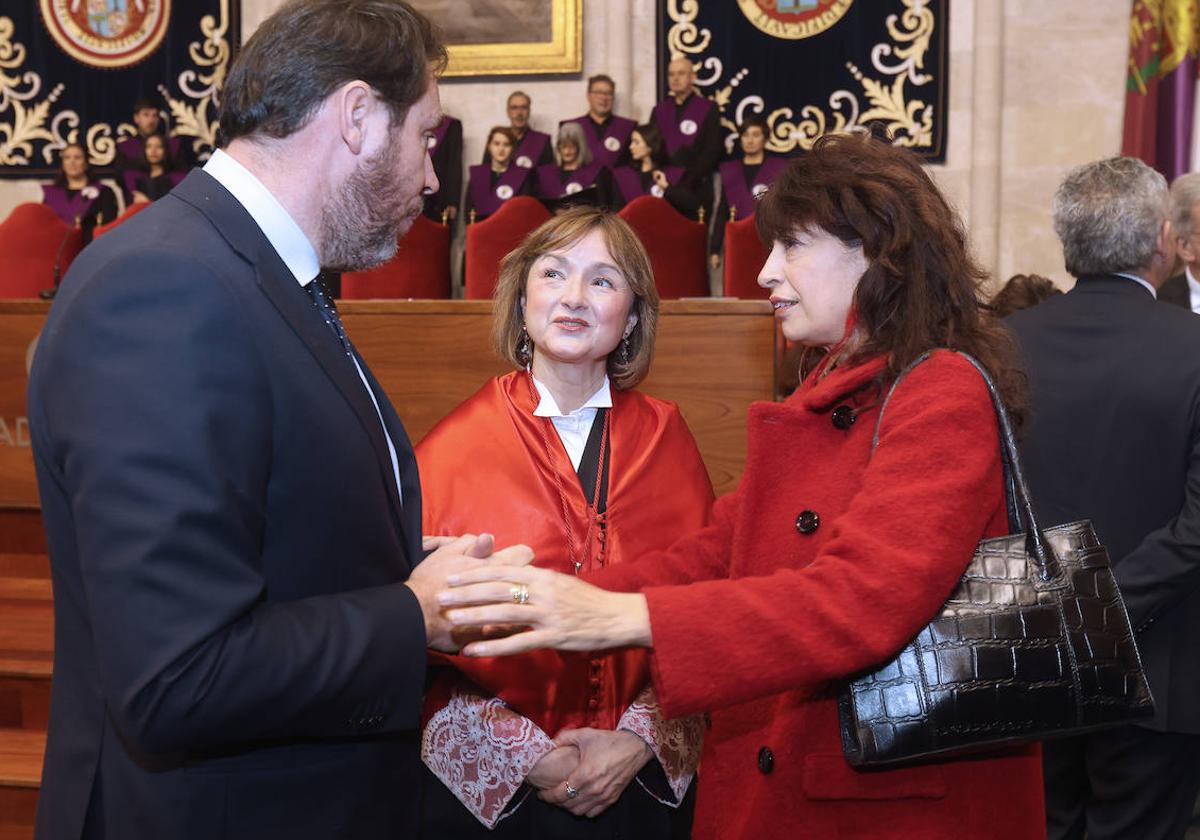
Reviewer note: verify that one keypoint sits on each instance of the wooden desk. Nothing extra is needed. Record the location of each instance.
(713, 357)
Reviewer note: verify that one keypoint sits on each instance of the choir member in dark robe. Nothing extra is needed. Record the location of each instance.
(131, 152)
(577, 173)
(533, 148)
(564, 454)
(156, 177)
(607, 134)
(76, 195)
(743, 181)
(491, 184)
(690, 123)
(651, 174)
(446, 152)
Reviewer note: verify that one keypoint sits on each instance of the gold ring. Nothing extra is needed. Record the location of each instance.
(520, 594)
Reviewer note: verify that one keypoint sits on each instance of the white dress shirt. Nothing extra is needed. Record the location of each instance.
(573, 429)
(291, 244)
(1193, 289)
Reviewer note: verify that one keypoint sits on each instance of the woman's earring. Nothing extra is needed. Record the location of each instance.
(623, 353)
(524, 352)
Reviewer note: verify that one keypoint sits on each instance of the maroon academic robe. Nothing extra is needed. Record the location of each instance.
(486, 467)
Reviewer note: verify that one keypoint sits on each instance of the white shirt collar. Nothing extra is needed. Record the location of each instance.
(548, 406)
(281, 229)
(1144, 283)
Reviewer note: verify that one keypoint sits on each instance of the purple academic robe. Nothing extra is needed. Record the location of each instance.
(73, 208)
(629, 182)
(485, 199)
(741, 196)
(607, 150)
(551, 184)
(687, 129)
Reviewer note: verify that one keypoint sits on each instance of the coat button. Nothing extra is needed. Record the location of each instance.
(766, 760)
(843, 417)
(807, 521)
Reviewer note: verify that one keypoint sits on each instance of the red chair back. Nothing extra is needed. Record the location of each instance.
(677, 246)
(32, 239)
(130, 211)
(420, 269)
(744, 258)
(490, 240)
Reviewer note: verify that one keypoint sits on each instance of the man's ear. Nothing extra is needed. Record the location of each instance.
(352, 104)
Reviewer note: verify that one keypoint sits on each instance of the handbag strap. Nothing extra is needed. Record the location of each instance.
(1016, 490)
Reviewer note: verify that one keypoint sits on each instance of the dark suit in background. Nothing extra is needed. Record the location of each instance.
(1115, 437)
(235, 654)
(1176, 291)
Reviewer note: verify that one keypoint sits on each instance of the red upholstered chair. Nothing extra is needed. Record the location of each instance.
(32, 239)
(130, 211)
(677, 246)
(490, 240)
(744, 258)
(420, 269)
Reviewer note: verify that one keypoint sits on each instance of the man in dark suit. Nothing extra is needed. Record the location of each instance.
(1184, 288)
(231, 503)
(1115, 437)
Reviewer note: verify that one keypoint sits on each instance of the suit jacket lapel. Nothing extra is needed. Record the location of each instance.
(294, 305)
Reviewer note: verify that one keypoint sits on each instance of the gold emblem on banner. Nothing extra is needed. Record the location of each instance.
(794, 19)
(107, 33)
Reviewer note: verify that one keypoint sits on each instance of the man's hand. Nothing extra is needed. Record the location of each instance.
(608, 761)
(452, 557)
(553, 768)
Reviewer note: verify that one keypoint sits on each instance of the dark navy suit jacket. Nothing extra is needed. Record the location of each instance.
(1114, 436)
(235, 653)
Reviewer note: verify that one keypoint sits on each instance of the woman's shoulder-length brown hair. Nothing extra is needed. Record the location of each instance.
(922, 289)
(560, 233)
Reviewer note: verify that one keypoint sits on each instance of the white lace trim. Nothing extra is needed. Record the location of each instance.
(675, 743)
(482, 751)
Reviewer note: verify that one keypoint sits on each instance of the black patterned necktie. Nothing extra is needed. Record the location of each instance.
(328, 311)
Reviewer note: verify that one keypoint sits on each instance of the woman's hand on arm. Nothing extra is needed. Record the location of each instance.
(608, 762)
(554, 767)
(561, 611)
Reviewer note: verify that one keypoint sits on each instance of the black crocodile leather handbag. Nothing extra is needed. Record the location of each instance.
(1034, 643)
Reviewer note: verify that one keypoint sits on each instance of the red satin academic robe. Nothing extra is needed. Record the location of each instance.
(487, 467)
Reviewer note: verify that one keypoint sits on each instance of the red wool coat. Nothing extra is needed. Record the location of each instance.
(785, 610)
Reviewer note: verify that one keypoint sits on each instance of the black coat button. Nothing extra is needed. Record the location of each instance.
(807, 521)
(766, 760)
(843, 417)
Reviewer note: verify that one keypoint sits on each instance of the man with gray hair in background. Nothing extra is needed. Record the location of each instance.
(1115, 437)
(1184, 288)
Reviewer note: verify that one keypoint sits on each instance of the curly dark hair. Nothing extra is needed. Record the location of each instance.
(922, 290)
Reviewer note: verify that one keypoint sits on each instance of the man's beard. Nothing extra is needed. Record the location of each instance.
(361, 224)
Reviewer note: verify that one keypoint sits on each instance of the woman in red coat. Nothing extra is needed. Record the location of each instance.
(828, 558)
(566, 455)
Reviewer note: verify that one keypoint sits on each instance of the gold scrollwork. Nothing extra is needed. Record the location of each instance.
(34, 123)
(909, 119)
(684, 37)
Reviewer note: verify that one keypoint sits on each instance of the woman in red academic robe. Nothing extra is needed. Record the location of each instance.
(565, 456)
(832, 553)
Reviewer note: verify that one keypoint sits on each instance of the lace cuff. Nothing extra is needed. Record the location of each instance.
(482, 751)
(675, 743)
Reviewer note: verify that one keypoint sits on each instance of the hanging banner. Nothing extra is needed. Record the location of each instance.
(810, 67)
(71, 71)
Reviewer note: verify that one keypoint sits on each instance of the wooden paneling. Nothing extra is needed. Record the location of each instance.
(713, 357)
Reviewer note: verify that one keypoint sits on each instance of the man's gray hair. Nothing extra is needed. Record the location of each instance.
(1185, 194)
(1109, 214)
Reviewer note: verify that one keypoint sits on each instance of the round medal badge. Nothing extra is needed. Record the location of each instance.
(107, 33)
(688, 127)
(573, 188)
(524, 162)
(504, 192)
(612, 144)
